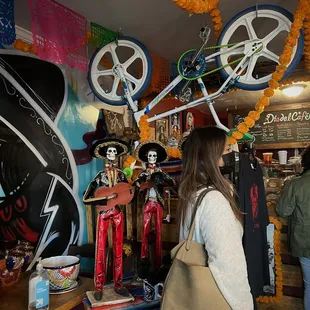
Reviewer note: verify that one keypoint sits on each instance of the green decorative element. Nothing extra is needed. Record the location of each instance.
(128, 172)
(214, 70)
(101, 36)
(66, 283)
(246, 136)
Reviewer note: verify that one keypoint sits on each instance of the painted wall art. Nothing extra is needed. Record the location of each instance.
(161, 130)
(45, 133)
(175, 125)
(189, 121)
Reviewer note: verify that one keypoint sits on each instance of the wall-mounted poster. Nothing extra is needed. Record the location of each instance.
(188, 121)
(175, 125)
(161, 130)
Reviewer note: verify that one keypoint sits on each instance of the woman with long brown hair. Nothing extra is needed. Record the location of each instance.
(218, 220)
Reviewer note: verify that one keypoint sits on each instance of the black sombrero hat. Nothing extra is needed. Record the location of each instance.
(100, 147)
(181, 144)
(144, 147)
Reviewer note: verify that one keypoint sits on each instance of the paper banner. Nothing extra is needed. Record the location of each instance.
(101, 36)
(7, 24)
(59, 34)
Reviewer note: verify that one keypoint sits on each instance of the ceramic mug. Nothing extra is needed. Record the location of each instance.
(151, 292)
(28, 248)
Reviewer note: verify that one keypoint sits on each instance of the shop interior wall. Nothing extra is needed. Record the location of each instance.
(201, 118)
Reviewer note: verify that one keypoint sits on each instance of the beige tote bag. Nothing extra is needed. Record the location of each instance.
(190, 284)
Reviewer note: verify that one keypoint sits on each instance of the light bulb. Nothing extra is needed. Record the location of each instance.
(293, 90)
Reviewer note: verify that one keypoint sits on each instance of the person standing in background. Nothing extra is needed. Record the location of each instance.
(294, 204)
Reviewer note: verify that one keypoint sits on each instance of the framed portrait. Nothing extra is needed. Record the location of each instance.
(188, 121)
(175, 125)
(114, 122)
(161, 130)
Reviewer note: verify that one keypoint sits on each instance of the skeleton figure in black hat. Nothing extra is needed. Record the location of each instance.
(109, 149)
(181, 144)
(152, 179)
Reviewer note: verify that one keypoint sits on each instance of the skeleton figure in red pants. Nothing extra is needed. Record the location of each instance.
(152, 179)
(109, 149)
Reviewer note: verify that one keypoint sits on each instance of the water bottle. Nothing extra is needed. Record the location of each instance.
(39, 289)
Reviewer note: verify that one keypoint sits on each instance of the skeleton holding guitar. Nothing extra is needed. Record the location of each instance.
(107, 191)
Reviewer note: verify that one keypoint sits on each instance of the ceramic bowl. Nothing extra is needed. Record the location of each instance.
(62, 270)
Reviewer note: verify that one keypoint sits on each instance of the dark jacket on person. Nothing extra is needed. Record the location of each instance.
(294, 203)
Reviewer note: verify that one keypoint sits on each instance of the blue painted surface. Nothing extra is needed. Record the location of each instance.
(77, 119)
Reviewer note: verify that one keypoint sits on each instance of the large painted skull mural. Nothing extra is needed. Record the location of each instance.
(39, 187)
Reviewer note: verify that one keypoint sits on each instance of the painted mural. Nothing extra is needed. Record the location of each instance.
(46, 130)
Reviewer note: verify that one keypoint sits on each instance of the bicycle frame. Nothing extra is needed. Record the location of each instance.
(249, 50)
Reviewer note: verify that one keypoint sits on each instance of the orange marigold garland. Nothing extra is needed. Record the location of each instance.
(307, 42)
(217, 21)
(174, 152)
(237, 135)
(243, 128)
(254, 115)
(278, 264)
(201, 7)
(144, 128)
(197, 6)
(24, 46)
(127, 165)
(285, 58)
(145, 136)
(129, 161)
(249, 121)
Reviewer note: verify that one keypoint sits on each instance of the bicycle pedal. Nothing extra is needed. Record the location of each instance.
(185, 96)
(204, 33)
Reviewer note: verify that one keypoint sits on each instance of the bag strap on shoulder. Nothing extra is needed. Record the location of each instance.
(192, 227)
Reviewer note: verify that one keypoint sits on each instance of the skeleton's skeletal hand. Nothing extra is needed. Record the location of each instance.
(167, 218)
(104, 179)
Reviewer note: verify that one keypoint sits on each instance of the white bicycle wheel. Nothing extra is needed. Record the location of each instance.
(127, 54)
(266, 23)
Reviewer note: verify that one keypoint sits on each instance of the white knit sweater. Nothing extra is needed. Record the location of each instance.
(218, 229)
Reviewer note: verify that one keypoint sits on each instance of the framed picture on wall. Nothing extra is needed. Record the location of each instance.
(188, 121)
(175, 125)
(161, 130)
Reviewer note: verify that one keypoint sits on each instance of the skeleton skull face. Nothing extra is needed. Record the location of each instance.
(152, 157)
(111, 153)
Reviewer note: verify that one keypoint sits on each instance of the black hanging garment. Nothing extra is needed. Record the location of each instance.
(252, 201)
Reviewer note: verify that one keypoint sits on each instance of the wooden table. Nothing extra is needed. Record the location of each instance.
(16, 297)
(137, 304)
